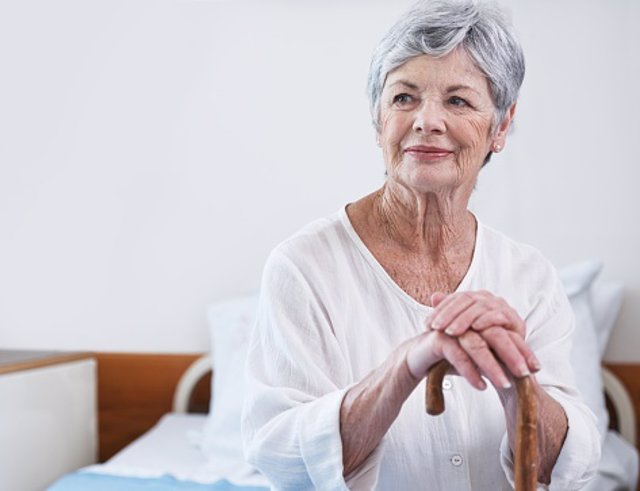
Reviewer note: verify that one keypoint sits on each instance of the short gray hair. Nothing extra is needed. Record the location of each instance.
(436, 28)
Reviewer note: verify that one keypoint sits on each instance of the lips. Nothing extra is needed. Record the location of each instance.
(427, 149)
(426, 152)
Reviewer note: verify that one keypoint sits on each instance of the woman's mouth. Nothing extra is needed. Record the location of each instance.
(427, 153)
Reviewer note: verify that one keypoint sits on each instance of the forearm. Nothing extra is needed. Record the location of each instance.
(552, 428)
(370, 407)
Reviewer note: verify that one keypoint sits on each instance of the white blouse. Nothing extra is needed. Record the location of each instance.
(329, 314)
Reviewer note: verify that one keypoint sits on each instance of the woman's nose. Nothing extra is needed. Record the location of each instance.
(429, 118)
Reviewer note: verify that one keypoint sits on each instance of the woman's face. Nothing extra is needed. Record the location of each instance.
(436, 117)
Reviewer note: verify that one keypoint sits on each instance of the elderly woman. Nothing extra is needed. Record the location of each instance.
(355, 308)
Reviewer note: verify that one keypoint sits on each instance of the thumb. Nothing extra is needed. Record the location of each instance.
(436, 298)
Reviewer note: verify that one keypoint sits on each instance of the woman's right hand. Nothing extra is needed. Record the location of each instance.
(432, 346)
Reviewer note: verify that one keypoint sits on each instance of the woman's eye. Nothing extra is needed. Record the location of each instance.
(458, 101)
(402, 99)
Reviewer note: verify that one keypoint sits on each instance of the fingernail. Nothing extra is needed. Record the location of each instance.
(482, 384)
(450, 331)
(506, 384)
(436, 323)
(536, 364)
(524, 371)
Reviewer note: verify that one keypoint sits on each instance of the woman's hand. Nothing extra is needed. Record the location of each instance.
(488, 329)
(432, 346)
(481, 335)
(460, 311)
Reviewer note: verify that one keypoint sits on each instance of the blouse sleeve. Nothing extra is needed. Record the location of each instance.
(297, 376)
(550, 329)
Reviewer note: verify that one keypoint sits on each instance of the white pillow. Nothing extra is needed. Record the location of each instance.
(585, 356)
(230, 325)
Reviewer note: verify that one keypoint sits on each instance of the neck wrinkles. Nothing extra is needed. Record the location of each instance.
(431, 224)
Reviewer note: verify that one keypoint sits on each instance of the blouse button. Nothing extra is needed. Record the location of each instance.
(456, 460)
(446, 384)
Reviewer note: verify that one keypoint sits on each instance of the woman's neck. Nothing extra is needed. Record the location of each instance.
(431, 225)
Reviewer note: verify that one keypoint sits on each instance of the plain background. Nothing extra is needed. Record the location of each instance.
(153, 152)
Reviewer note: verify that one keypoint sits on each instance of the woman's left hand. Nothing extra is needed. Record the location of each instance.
(481, 317)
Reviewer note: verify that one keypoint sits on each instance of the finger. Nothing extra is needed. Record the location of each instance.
(427, 349)
(466, 319)
(449, 308)
(516, 321)
(527, 352)
(443, 299)
(506, 350)
(505, 316)
(491, 318)
(478, 350)
(462, 363)
(437, 297)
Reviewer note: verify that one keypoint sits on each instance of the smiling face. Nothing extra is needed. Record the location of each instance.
(436, 122)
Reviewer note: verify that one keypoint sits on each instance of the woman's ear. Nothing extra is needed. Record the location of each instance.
(503, 128)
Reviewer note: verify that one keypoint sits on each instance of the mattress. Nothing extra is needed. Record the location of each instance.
(170, 447)
(167, 457)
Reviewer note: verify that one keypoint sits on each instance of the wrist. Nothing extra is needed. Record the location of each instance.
(419, 357)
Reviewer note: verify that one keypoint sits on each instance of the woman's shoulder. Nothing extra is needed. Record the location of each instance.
(314, 242)
(517, 259)
(497, 241)
(312, 235)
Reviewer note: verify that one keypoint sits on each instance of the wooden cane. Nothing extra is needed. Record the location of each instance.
(526, 463)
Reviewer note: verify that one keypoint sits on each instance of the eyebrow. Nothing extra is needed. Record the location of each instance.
(450, 89)
(405, 83)
(454, 88)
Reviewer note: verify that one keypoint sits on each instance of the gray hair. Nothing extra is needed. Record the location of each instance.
(436, 28)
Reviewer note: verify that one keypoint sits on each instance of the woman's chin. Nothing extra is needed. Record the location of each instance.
(429, 180)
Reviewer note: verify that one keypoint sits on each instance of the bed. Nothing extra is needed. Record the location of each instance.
(194, 452)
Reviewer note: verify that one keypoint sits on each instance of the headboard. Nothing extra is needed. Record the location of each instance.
(135, 390)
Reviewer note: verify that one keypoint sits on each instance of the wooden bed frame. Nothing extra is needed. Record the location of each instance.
(135, 390)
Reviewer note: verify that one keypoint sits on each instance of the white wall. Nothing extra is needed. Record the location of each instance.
(153, 152)
(568, 179)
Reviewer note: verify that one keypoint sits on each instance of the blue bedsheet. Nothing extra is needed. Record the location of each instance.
(88, 481)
